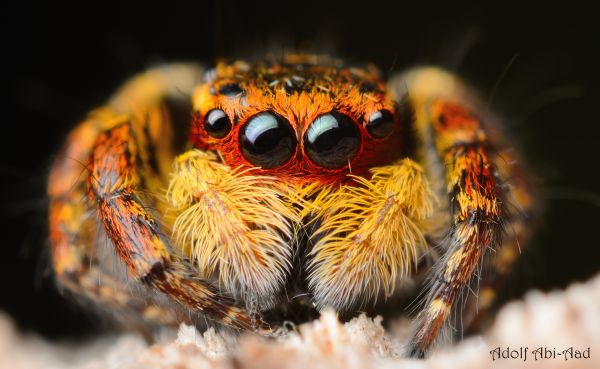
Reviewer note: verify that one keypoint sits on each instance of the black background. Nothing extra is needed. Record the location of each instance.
(62, 60)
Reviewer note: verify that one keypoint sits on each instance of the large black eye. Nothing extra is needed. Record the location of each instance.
(267, 140)
(332, 140)
(380, 124)
(217, 123)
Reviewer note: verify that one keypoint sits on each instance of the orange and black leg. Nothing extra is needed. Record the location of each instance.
(461, 160)
(74, 237)
(115, 186)
(498, 264)
(119, 153)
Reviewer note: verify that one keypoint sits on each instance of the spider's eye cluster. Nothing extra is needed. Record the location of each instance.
(267, 140)
(332, 140)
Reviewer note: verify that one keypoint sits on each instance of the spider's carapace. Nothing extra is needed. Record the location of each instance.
(303, 121)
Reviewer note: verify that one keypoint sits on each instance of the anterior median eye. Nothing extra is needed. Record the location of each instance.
(217, 123)
(332, 140)
(268, 140)
(381, 123)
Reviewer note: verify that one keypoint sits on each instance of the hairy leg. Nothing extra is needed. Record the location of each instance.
(74, 237)
(460, 155)
(115, 186)
(497, 265)
(141, 110)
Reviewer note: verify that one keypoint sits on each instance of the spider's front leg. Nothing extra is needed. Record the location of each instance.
(150, 102)
(115, 186)
(120, 152)
(74, 236)
(459, 152)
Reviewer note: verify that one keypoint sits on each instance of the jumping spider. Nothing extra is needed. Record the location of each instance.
(302, 174)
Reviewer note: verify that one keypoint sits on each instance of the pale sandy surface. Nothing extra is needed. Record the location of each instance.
(558, 320)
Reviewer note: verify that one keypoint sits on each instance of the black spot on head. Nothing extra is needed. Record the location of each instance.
(293, 85)
(367, 87)
(231, 89)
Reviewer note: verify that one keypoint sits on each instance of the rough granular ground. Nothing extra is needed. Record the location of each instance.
(558, 320)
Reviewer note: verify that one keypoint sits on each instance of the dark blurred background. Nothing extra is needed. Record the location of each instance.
(537, 63)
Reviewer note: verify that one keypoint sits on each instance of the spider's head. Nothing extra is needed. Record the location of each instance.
(298, 119)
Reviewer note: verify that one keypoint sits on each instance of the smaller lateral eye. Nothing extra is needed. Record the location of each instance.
(380, 123)
(217, 123)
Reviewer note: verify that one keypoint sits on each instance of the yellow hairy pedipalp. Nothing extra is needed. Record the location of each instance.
(371, 234)
(233, 223)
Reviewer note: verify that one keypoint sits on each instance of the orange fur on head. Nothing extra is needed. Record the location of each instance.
(299, 92)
